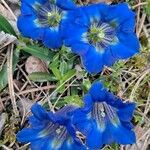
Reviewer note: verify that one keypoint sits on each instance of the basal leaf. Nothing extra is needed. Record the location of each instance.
(68, 75)
(3, 77)
(3, 71)
(40, 52)
(56, 72)
(6, 26)
(41, 77)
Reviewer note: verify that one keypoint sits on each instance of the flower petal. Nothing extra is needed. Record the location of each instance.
(81, 121)
(52, 38)
(41, 144)
(27, 9)
(28, 135)
(39, 112)
(75, 32)
(88, 103)
(126, 113)
(128, 26)
(70, 144)
(92, 60)
(119, 13)
(98, 92)
(28, 27)
(119, 134)
(134, 44)
(108, 57)
(94, 137)
(66, 4)
(125, 49)
(80, 48)
(91, 13)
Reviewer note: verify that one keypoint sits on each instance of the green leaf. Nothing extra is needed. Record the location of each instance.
(74, 99)
(6, 27)
(56, 72)
(63, 67)
(55, 62)
(86, 84)
(40, 52)
(3, 77)
(40, 77)
(68, 75)
(3, 71)
(147, 8)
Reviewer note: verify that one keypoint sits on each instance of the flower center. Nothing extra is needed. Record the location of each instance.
(103, 112)
(60, 137)
(101, 35)
(59, 134)
(53, 19)
(48, 15)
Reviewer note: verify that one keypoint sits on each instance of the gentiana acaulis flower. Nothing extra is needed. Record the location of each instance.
(100, 34)
(50, 131)
(104, 118)
(40, 20)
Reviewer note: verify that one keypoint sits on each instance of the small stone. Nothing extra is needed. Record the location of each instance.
(34, 64)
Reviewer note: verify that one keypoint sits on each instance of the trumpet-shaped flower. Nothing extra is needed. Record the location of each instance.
(100, 34)
(40, 20)
(104, 119)
(49, 131)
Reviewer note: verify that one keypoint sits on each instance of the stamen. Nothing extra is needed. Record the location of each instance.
(48, 15)
(98, 114)
(49, 130)
(101, 35)
(60, 137)
(102, 111)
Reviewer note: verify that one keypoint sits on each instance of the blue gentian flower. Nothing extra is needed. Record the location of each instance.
(104, 119)
(100, 34)
(49, 131)
(40, 20)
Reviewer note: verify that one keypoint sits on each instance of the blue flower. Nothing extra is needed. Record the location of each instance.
(104, 119)
(40, 20)
(100, 34)
(49, 131)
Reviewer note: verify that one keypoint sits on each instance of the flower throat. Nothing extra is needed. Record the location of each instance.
(101, 35)
(49, 15)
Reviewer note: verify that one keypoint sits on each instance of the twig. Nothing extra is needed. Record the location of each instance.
(141, 24)
(138, 17)
(63, 93)
(139, 4)
(48, 99)
(5, 4)
(5, 147)
(36, 90)
(137, 83)
(10, 78)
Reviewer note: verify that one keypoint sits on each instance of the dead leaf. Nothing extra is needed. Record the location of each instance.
(139, 131)
(14, 1)
(4, 12)
(34, 64)
(6, 39)
(18, 85)
(3, 118)
(98, 1)
(79, 73)
(24, 106)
